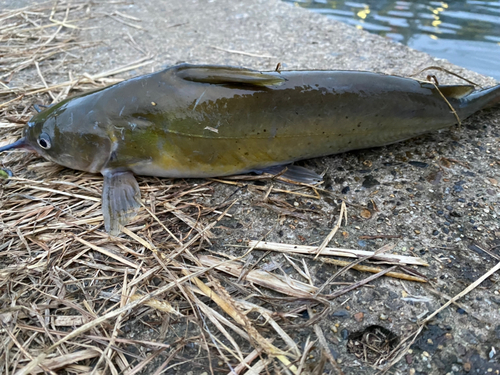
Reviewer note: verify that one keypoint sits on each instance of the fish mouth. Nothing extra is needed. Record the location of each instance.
(21, 143)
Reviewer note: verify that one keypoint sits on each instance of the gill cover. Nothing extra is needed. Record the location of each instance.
(71, 133)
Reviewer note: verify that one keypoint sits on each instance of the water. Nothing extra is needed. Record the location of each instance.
(465, 32)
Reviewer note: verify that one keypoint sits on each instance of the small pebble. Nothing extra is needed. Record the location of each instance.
(492, 352)
(345, 334)
(359, 317)
(370, 182)
(341, 314)
(365, 214)
(418, 164)
(383, 317)
(467, 366)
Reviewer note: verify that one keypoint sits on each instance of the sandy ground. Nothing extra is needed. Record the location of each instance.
(437, 194)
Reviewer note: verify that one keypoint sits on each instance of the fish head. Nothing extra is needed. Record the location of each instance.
(70, 135)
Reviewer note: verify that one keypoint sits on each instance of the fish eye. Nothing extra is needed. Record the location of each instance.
(44, 141)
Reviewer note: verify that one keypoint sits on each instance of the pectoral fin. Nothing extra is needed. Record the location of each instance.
(121, 199)
(227, 75)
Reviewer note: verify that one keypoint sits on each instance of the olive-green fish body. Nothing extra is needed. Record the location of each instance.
(207, 121)
(174, 127)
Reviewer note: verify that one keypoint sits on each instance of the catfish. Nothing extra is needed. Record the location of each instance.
(211, 121)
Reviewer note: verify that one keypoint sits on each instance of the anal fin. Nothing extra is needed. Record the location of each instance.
(121, 198)
(294, 173)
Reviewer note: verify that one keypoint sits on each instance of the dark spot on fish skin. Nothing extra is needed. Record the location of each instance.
(246, 154)
(265, 130)
(347, 117)
(359, 125)
(296, 113)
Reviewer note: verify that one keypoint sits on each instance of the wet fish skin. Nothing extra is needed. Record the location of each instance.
(206, 121)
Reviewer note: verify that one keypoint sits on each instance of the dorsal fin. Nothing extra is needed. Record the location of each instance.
(456, 91)
(227, 75)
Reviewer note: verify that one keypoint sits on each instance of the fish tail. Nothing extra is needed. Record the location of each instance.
(494, 97)
(486, 98)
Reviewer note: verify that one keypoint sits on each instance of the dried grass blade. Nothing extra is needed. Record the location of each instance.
(292, 345)
(213, 318)
(163, 306)
(325, 346)
(361, 268)
(94, 199)
(64, 360)
(360, 283)
(259, 367)
(333, 251)
(274, 282)
(107, 253)
(245, 364)
(464, 292)
(233, 312)
(332, 233)
(189, 221)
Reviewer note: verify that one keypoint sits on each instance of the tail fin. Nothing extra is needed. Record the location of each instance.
(467, 104)
(486, 98)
